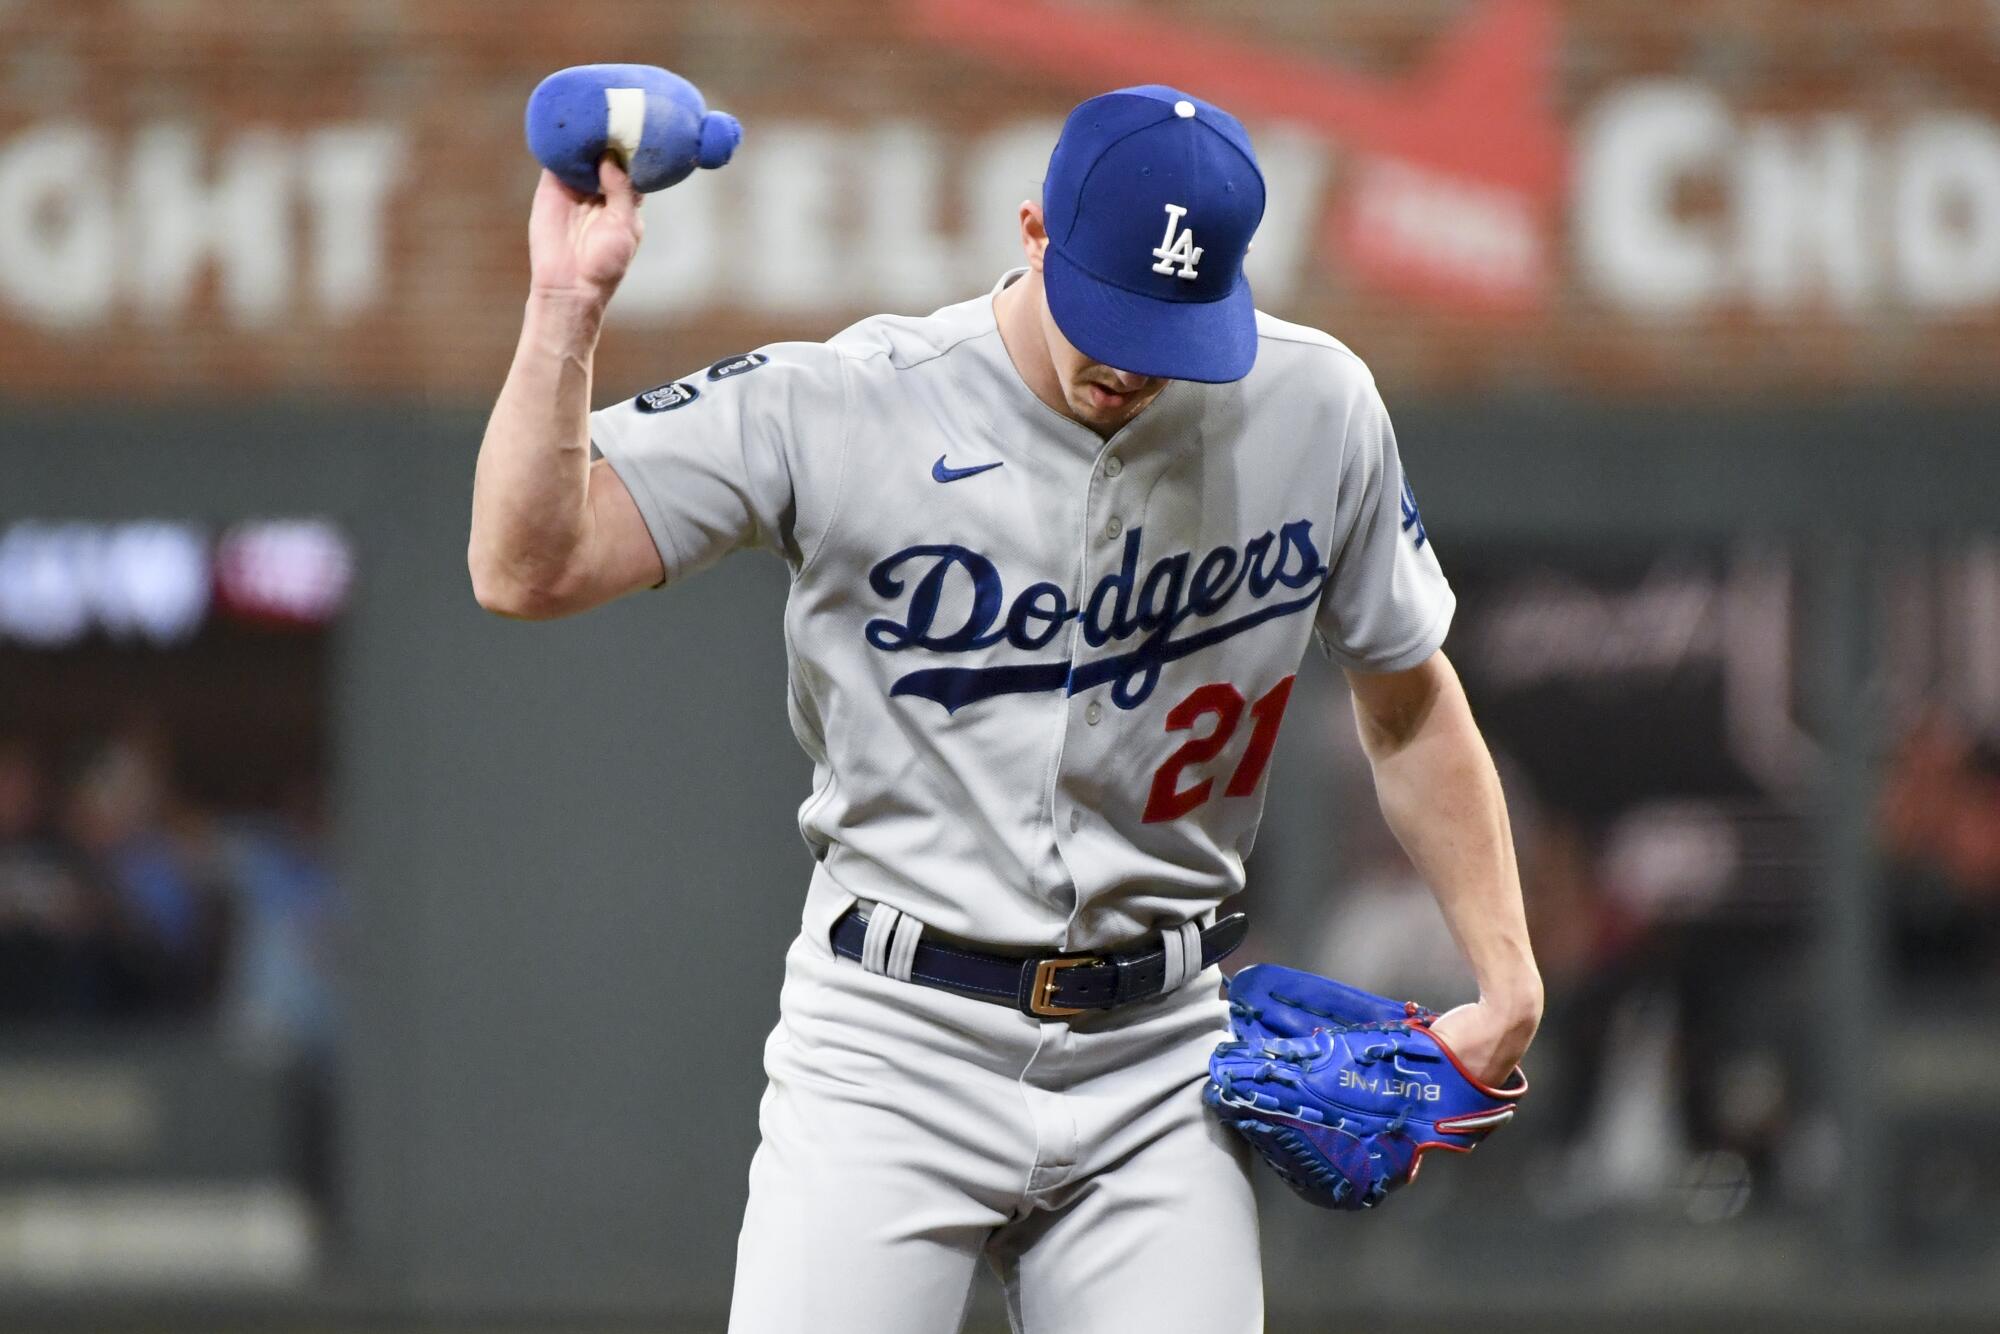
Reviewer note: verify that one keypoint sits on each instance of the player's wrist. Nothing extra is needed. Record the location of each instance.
(1510, 984)
(564, 320)
(1516, 1005)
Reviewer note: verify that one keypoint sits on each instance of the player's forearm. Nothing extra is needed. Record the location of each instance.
(1442, 798)
(530, 493)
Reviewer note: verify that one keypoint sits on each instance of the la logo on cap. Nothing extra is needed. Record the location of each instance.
(1177, 247)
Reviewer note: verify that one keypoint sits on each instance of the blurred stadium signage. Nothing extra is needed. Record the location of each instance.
(1470, 193)
(94, 225)
(1824, 211)
(159, 582)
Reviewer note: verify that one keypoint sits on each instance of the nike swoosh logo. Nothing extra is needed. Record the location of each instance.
(940, 473)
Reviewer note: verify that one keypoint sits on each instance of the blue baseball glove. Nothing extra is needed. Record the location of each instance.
(1342, 1091)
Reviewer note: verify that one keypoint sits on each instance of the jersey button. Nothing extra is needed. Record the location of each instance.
(1114, 527)
(1113, 466)
(1075, 819)
(1094, 714)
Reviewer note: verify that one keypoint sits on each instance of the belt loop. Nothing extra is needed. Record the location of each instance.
(902, 953)
(1191, 949)
(1174, 945)
(875, 944)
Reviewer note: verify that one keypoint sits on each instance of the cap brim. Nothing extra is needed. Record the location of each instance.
(1211, 341)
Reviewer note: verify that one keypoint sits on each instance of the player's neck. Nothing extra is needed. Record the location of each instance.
(1017, 311)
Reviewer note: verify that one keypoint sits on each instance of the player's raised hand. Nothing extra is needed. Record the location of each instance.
(580, 245)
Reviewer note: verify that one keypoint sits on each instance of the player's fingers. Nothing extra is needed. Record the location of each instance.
(619, 196)
(551, 186)
(552, 213)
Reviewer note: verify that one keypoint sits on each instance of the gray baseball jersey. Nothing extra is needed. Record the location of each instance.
(1039, 673)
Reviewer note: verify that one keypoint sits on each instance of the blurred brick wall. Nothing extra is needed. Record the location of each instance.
(210, 198)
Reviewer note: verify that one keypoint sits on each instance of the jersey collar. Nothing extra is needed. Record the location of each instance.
(1171, 415)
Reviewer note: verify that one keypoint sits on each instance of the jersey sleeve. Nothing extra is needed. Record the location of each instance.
(747, 453)
(1386, 605)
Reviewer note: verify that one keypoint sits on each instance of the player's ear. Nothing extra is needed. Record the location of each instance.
(1034, 233)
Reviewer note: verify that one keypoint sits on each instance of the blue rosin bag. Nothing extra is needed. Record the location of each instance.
(653, 120)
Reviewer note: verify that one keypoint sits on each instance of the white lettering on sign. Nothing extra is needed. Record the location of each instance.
(789, 229)
(1824, 212)
(1802, 214)
(236, 221)
(58, 227)
(825, 220)
(1947, 212)
(909, 255)
(1636, 149)
(89, 224)
(348, 174)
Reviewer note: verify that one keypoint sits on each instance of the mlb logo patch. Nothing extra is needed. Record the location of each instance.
(728, 366)
(667, 397)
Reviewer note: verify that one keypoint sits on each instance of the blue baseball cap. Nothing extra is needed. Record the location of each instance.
(1151, 199)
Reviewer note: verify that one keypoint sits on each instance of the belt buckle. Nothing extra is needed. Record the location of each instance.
(1045, 985)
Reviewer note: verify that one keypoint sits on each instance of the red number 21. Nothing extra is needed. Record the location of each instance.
(1169, 800)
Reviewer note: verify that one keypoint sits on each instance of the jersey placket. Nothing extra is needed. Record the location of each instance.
(1114, 486)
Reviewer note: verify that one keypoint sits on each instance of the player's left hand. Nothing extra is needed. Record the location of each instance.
(1343, 1091)
(1489, 1038)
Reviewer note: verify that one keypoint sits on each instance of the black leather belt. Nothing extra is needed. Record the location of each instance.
(1051, 986)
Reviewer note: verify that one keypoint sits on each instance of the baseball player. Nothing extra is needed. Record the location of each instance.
(1056, 553)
